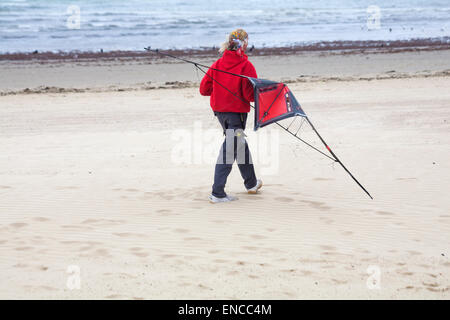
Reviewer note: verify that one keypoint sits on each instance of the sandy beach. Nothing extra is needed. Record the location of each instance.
(106, 166)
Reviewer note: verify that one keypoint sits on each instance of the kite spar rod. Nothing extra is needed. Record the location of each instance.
(337, 159)
(198, 65)
(334, 158)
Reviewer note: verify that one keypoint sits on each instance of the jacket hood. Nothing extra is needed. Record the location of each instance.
(231, 59)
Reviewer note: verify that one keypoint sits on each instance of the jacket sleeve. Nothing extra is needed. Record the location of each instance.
(206, 85)
(247, 87)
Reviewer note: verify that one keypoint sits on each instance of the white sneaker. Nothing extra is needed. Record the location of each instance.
(228, 198)
(255, 189)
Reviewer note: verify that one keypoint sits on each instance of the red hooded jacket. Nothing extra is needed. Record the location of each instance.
(222, 100)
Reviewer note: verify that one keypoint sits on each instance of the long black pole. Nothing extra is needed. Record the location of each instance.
(193, 62)
(337, 159)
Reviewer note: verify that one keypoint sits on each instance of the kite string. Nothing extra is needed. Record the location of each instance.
(291, 123)
(194, 63)
(308, 144)
(301, 124)
(196, 71)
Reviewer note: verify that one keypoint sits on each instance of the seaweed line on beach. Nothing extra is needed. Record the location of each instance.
(392, 74)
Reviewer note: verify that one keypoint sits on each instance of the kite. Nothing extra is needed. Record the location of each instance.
(274, 102)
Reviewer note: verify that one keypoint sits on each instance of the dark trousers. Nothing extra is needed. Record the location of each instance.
(234, 147)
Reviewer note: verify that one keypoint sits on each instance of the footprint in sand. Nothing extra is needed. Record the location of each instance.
(18, 225)
(289, 294)
(316, 204)
(141, 254)
(336, 281)
(328, 248)
(220, 261)
(438, 290)
(181, 230)
(284, 199)
(168, 256)
(385, 213)
(250, 248)
(288, 270)
(322, 179)
(431, 285)
(129, 235)
(23, 248)
(257, 236)
(201, 286)
(409, 288)
(193, 239)
(164, 212)
(76, 227)
(115, 296)
(86, 248)
(185, 284)
(164, 195)
(101, 252)
(41, 219)
(47, 288)
(137, 251)
(306, 272)
(103, 222)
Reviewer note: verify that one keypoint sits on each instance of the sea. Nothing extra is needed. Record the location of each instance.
(94, 25)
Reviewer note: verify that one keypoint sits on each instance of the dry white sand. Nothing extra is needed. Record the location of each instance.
(91, 180)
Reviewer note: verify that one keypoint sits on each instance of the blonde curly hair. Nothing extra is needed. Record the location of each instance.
(234, 41)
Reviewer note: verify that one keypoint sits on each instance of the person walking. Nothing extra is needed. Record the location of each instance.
(230, 98)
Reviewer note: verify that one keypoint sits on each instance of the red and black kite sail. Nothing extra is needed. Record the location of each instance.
(274, 102)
